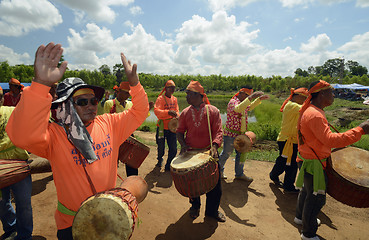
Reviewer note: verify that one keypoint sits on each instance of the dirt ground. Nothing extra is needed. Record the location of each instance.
(256, 211)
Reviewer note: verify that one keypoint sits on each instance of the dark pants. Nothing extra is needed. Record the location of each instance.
(131, 171)
(280, 167)
(309, 206)
(172, 145)
(65, 234)
(212, 200)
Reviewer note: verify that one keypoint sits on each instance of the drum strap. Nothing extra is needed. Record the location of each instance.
(88, 176)
(207, 113)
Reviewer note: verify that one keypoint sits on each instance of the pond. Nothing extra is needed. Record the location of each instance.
(220, 103)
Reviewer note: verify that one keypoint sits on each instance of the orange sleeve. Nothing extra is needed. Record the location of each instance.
(159, 110)
(28, 125)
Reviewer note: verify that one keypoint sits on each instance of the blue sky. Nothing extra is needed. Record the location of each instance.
(229, 37)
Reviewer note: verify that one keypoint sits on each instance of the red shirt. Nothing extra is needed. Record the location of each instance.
(10, 99)
(194, 124)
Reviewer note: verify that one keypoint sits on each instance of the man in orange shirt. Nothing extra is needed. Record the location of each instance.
(12, 97)
(315, 143)
(82, 148)
(165, 109)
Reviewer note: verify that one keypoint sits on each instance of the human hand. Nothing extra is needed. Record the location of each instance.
(184, 148)
(172, 113)
(131, 71)
(214, 151)
(46, 63)
(151, 105)
(264, 97)
(365, 126)
(255, 95)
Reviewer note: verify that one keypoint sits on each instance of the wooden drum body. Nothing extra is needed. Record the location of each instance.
(348, 176)
(107, 215)
(133, 152)
(194, 173)
(12, 171)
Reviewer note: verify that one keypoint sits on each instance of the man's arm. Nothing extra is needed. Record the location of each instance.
(182, 142)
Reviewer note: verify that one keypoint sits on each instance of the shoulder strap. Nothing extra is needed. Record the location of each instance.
(207, 113)
(114, 108)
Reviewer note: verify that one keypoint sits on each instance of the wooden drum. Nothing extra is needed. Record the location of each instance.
(107, 215)
(348, 176)
(132, 152)
(12, 171)
(194, 173)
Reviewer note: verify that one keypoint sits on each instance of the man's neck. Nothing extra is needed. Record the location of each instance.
(168, 95)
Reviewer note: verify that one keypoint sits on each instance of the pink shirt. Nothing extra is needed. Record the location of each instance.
(194, 124)
(10, 100)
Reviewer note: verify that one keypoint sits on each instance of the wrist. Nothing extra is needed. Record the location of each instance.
(46, 83)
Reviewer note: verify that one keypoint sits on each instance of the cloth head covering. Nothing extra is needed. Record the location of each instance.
(301, 91)
(14, 81)
(124, 86)
(195, 86)
(68, 86)
(169, 83)
(248, 91)
(321, 85)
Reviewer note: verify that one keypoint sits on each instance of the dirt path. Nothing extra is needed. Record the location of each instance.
(257, 211)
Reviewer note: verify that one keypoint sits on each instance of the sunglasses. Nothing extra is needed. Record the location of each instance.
(84, 101)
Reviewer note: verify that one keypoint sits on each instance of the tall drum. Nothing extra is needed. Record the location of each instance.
(348, 176)
(12, 171)
(132, 152)
(194, 173)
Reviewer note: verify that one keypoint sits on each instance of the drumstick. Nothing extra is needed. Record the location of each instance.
(333, 128)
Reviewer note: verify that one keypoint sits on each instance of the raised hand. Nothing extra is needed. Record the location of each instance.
(131, 71)
(264, 97)
(46, 67)
(255, 95)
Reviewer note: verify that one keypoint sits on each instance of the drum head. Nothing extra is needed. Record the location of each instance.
(173, 125)
(103, 217)
(188, 161)
(352, 164)
(242, 143)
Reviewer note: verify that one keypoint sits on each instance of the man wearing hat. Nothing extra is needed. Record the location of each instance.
(243, 101)
(315, 141)
(12, 97)
(16, 224)
(287, 141)
(82, 148)
(166, 108)
(196, 122)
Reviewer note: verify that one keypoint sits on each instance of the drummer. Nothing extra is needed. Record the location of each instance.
(165, 109)
(193, 123)
(315, 143)
(243, 101)
(82, 148)
(17, 222)
(287, 141)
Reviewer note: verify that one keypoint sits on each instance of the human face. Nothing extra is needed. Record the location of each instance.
(193, 98)
(328, 97)
(169, 90)
(86, 113)
(14, 88)
(122, 96)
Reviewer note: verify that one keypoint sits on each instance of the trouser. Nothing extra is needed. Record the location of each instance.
(172, 145)
(65, 234)
(309, 206)
(280, 167)
(131, 171)
(227, 151)
(20, 220)
(212, 200)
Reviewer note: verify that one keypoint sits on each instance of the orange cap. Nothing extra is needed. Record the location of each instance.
(14, 81)
(124, 86)
(169, 83)
(195, 86)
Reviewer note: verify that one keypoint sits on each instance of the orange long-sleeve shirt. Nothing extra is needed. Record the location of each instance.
(162, 106)
(318, 136)
(29, 128)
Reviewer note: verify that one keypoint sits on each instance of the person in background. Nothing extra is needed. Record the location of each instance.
(165, 109)
(82, 148)
(315, 141)
(193, 133)
(17, 224)
(12, 97)
(287, 141)
(243, 101)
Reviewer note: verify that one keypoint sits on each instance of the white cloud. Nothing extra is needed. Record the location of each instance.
(362, 3)
(357, 49)
(18, 17)
(99, 10)
(217, 5)
(319, 43)
(136, 10)
(7, 54)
